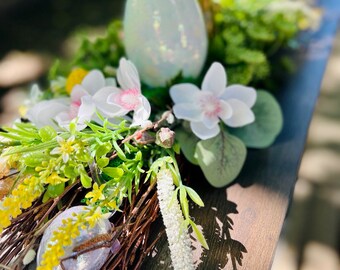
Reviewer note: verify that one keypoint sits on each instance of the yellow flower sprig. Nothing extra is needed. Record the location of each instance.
(21, 197)
(64, 235)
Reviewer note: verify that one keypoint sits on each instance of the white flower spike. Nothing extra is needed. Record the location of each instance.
(129, 97)
(205, 108)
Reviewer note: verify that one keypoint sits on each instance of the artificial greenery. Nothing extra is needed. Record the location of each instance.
(115, 167)
(248, 35)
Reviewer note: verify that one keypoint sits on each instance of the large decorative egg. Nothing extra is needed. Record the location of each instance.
(164, 38)
(92, 260)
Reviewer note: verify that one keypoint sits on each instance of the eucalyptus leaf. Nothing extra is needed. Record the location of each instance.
(188, 141)
(268, 123)
(221, 158)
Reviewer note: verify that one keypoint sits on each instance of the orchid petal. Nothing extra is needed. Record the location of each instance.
(187, 111)
(142, 114)
(226, 110)
(245, 94)
(86, 109)
(210, 122)
(215, 80)
(78, 92)
(93, 81)
(242, 114)
(202, 132)
(101, 101)
(127, 75)
(63, 120)
(44, 112)
(112, 101)
(184, 93)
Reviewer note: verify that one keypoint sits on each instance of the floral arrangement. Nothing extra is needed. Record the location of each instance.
(94, 159)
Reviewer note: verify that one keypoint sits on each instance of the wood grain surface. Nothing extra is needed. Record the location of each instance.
(242, 223)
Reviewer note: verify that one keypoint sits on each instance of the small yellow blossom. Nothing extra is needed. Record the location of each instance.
(96, 217)
(55, 179)
(96, 193)
(112, 205)
(76, 77)
(66, 148)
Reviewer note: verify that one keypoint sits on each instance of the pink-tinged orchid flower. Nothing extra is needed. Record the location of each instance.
(205, 108)
(86, 97)
(43, 113)
(129, 97)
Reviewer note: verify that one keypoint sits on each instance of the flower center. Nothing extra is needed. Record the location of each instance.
(66, 147)
(210, 106)
(129, 99)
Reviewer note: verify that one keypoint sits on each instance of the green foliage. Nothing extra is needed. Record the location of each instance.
(268, 123)
(104, 53)
(221, 158)
(247, 35)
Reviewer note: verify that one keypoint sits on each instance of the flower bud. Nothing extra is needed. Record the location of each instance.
(165, 137)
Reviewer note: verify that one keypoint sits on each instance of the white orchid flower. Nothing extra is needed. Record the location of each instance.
(85, 98)
(215, 102)
(129, 96)
(43, 113)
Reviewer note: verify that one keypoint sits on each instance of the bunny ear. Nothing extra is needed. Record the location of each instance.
(128, 76)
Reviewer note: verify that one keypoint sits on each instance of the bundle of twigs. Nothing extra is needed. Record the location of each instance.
(131, 227)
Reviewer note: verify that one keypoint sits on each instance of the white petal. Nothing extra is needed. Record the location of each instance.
(63, 120)
(110, 82)
(226, 110)
(101, 101)
(215, 80)
(55, 151)
(127, 75)
(86, 109)
(202, 132)
(78, 92)
(65, 157)
(93, 81)
(142, 114)
(184, 93)
(242, 114)
(210, 122)
(245, 94)
(187, 111)
(43, 113)
(60, 139)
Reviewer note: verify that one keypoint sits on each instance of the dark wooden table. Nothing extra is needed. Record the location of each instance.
(242, 223)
